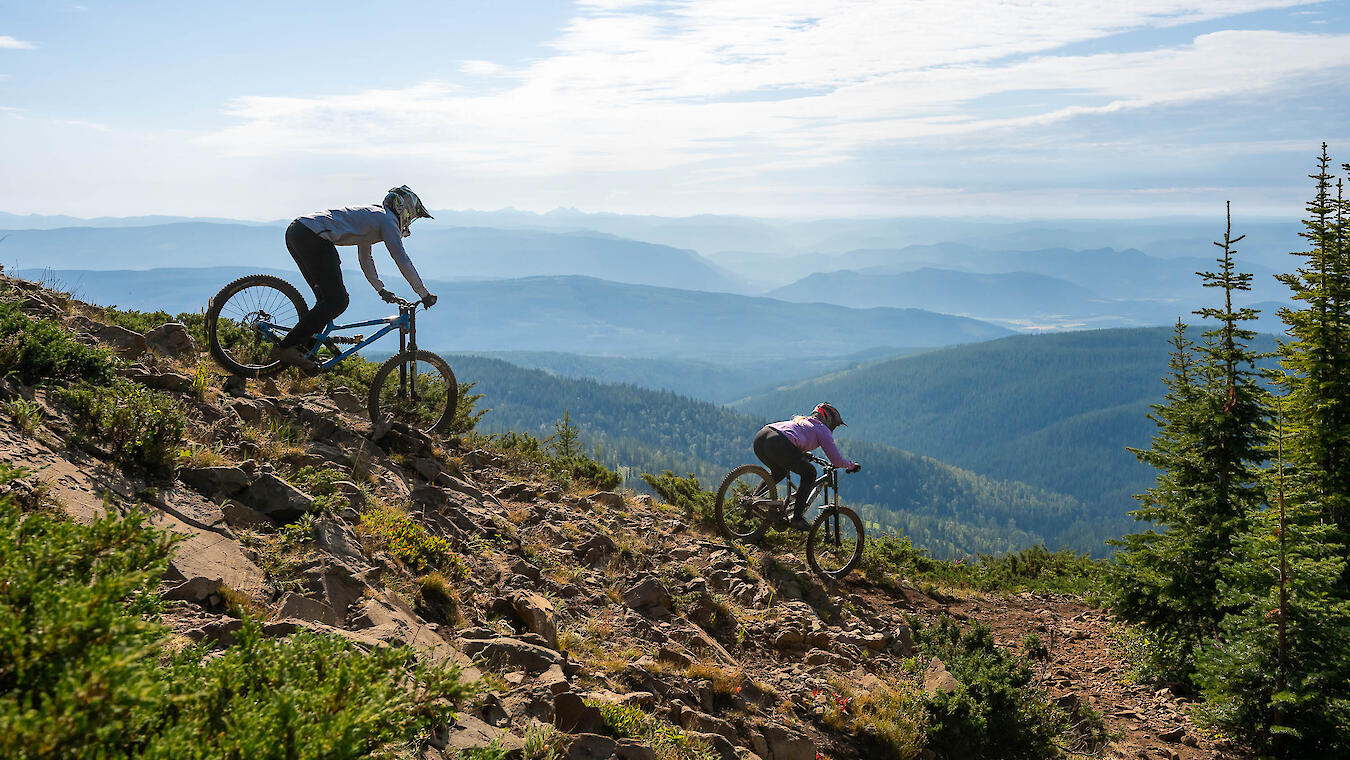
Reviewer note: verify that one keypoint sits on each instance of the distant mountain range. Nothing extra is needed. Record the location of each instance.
(580, 315)
(1267, 239)
(1025, 300)
(439, 253)
(1055, 411)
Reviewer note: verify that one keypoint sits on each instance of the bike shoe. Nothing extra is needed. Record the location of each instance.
(293, 357)
(799, 523)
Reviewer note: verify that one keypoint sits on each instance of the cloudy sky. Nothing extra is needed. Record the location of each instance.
(1040, 108)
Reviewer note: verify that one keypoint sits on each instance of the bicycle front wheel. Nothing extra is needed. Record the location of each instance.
(741, 503)
(835, 545)
(415, 388)
(247, 318)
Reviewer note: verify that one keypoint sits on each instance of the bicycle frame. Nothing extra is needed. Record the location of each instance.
(827, 482)
(403, 322)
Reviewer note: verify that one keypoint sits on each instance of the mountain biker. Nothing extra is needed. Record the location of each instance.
(782, 447)
(312, 240)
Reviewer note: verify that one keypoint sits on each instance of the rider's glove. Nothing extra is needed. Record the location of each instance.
(428, 300)
(388, 295)
(854, 468)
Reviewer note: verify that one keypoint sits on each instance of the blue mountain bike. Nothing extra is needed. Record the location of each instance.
(250, 315)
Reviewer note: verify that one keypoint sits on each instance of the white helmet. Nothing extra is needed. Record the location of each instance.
(406, 206)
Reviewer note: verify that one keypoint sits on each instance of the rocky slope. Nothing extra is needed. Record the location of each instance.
(295, 509)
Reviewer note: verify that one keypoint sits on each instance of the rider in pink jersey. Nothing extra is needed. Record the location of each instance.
(782, 447)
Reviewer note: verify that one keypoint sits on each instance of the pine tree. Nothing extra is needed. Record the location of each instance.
(1208, 452)
(1316, 360)
(1279, 674)
(1151, 588)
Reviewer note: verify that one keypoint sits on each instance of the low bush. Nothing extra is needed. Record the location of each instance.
(39, 350)
(400, 535)
(84, 672)
(890, 558)
(140, 427)
(666, 741)
(685, 493)
(996, 711)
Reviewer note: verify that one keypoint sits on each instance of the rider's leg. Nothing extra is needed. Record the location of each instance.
(768, 448)
(781, 456)
(321, 267)
(807, 471)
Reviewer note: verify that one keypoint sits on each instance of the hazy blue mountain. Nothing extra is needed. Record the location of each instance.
(945, 290)
(1013, 299)
(944, 509)
(717, 382)
(579, 315)
(1266, 243)
(1055, 411)
(439, 252)
(1114, 275)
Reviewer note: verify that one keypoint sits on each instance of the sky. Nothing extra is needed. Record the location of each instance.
(779, 108)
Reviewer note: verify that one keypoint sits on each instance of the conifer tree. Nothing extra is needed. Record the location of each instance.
(1316, 359)
(1279, 673)
(1208, 451)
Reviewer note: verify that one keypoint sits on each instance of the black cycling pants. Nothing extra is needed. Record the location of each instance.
(322, 269)
(782, 456)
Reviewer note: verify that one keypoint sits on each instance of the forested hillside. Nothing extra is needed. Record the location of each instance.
(1055, 411)
(946, 510)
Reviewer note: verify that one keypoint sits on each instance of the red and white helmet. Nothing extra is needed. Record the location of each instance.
(829, 415)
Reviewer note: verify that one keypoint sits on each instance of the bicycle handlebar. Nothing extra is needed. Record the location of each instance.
(823, 462)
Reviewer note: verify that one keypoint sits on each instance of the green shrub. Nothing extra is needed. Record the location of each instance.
(667, 741)
(403, 537)
(38, 350)
(996, 712)
(583, 470)
(77, 673)
(81, 673)
(140, 427)
(889, 558)
(321, 483)
(311, 696)
(685, 493)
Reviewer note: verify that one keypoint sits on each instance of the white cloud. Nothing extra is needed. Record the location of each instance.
(9, 43)
(784, 84)
(480, 67)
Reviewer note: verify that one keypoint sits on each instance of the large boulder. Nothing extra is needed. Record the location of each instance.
(127, 344)
(171, 339)
(537, 614)
(277, 499)
(650, 597)
(513, 652)
(215, 481)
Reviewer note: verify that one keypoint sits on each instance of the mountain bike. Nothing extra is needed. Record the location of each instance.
(748, 505)
(250, 315)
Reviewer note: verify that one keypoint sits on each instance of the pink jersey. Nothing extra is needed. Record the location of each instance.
(808, 434)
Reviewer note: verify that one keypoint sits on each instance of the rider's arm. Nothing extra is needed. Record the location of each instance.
(368, 266)
(394, 242)
(831, 451)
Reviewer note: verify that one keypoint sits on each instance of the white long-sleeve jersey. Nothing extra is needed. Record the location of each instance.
(364, 226)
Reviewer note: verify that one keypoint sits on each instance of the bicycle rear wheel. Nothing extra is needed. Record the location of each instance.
(240, 317)
(416, 388)
(741, 499)
(835, 545)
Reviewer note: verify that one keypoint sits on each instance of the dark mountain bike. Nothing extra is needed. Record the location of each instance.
(748, 505)
(250, 315)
